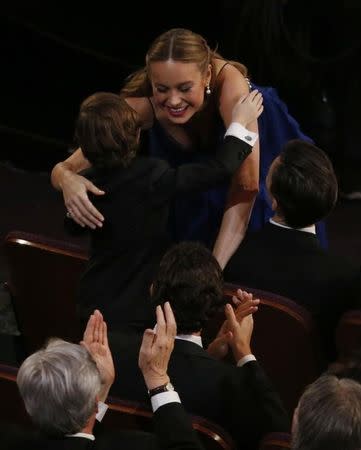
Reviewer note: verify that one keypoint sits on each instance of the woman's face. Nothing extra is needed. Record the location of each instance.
(178, 88)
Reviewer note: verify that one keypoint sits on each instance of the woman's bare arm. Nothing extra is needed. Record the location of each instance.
(245, 182)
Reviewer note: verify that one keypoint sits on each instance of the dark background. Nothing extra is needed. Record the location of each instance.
(54, 55)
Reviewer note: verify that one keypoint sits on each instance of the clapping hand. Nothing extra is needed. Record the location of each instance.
(156, 348)
(95, 340)
(245, 307)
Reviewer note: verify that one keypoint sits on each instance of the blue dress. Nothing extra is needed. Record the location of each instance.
(197, 216)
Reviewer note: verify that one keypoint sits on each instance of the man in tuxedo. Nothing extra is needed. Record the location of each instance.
(64, 386)
(285, 256)
(239, 396)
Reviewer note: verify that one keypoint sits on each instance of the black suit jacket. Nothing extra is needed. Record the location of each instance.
(241, 400)
(293, 264)
(172, 426)
(127, 250)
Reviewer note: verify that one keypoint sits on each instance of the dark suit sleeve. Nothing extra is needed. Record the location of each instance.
(173, 428)
(270, 411)
(202, 175)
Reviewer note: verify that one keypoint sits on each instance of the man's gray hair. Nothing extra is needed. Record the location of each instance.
(329, 416)
(59, 384)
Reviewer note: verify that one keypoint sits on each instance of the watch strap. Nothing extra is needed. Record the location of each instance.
(162, 388)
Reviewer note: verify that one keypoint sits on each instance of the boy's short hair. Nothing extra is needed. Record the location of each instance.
(107, 130)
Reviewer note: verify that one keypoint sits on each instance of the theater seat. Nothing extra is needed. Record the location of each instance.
(43, 275)
(348, 334)
(124, 414)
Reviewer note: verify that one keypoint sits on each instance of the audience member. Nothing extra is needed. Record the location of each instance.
(64, 386)
(239, 397)
(285, 256)
(328, 416)
(126, 251)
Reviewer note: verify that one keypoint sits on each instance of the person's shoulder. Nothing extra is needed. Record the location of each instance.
(135, 439)
(143, 107)
(227, 73)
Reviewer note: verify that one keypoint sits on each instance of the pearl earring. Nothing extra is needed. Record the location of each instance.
(208, 89)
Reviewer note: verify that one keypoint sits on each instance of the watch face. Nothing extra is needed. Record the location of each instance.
(169, 387)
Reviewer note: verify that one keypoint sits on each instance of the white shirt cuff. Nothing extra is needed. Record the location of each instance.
(237, 130)
(245, 360)
(163, 398)
(102, 409)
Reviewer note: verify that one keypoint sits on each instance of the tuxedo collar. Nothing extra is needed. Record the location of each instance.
(190, 338)
(291, 237)
(190, 348)
(310, 229)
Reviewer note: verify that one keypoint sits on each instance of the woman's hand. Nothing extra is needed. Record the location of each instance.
(75, 192)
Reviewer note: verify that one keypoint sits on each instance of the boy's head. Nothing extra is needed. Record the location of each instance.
(302, 184)
(190, 278)
(107, 130)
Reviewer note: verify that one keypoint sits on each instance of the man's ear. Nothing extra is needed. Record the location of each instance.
(274, 204)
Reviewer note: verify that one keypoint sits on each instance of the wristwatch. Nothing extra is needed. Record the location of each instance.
(163, 388)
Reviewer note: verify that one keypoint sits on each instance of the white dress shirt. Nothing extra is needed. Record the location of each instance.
(310, 229)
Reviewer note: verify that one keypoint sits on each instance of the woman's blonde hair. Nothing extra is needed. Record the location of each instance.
(178, 44)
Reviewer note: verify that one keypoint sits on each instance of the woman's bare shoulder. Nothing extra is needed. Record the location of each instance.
(228, 74)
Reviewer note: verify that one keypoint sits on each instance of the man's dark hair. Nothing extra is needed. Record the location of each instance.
(107, 130)
(303, 183)
(329, 416)
(190, 278)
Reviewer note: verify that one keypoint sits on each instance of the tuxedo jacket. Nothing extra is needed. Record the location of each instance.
(240, 399)
(126, 251)
(293, 264)
(172, 431)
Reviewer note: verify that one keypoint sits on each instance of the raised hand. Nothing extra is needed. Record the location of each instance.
(95, 340)
(245, 306)
(156, 348)
(248, 108)
(244, 303)
(240, 333)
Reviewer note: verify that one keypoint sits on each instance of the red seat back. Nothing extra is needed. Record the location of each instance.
(43, 275)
